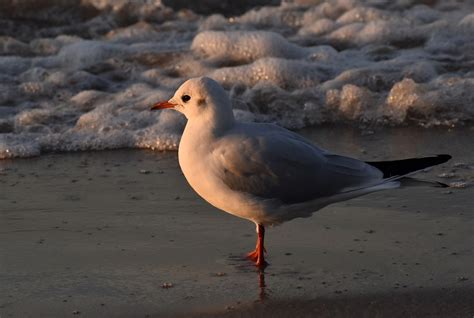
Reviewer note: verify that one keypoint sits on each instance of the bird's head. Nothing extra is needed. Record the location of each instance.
(200, 97)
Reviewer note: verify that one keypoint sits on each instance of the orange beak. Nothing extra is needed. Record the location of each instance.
(163, 105)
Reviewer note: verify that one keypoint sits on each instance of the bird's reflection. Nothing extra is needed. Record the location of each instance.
(244, 266)
(261, 285)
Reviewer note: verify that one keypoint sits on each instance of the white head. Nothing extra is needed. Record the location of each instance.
(201, 99)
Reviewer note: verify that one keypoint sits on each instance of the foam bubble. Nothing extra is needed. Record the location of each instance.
(82, 54)
(11, 46)
(408, 100)
(468, 21)
(282, 72)
(11, 147)
(361, 14)
(355, 103)
(14, 65)
(318, 27)
(244, 47)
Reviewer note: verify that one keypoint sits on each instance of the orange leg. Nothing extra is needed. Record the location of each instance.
(258, 254)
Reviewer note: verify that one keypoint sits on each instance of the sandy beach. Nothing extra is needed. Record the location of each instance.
(121, 234)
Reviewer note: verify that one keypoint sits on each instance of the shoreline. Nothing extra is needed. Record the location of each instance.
(308, 132)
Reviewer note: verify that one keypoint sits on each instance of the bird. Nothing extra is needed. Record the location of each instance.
(265, 173)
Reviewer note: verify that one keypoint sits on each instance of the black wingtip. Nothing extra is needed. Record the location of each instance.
(405, 166)
(443, 158)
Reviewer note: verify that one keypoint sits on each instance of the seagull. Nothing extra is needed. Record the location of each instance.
(265, 173)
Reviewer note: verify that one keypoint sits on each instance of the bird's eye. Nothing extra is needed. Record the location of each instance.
(185, 98)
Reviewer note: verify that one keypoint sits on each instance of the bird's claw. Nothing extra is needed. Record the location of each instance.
(253, 256)
(259, 262)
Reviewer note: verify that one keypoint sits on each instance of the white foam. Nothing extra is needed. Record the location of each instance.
(81, 54)
(281, 72)
(72, 84)
(245, 46)
(318, 27)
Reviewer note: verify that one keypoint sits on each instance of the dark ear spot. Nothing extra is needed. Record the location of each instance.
(201, 101)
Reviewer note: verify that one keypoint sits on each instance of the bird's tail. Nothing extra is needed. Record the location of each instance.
(414, 182)
(405, 167)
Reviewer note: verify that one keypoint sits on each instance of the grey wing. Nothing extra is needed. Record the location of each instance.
(280, 166)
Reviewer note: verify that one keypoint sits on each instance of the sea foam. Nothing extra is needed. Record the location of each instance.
(83, 75)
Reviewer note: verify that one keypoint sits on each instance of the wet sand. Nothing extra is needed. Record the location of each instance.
(121, 234)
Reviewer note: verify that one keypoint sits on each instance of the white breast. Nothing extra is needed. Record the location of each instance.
(196, 162)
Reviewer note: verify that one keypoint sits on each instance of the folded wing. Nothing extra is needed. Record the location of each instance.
(274, 163)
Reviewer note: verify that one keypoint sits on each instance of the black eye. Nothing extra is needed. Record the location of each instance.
(185, 98)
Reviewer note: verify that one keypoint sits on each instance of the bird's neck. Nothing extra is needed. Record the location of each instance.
(210, 126)
(213, 122)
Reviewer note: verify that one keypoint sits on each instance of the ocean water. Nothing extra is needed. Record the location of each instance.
(82, 75)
